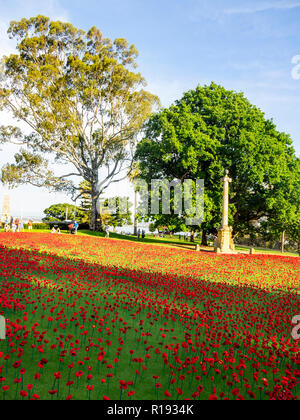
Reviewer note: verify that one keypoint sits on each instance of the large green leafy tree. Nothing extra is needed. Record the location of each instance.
(62, 212)
(284, 207)
(293, 231)
(211, 129)
(83, 100)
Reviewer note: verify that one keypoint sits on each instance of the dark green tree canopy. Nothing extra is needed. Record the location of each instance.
(83, 100)
(212, 129)
(62, 212)
(284, 206)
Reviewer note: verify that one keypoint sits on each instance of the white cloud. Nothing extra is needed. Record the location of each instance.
(263, 7)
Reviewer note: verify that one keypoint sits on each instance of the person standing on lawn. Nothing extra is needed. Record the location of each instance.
(76, 226)
(21, 226)
(71, 227)
(6, 225)
(30, 224)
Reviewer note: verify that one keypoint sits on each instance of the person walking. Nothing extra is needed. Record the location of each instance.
(139, 234)
(6, 225)
(76, 226)
(143, 234)
(30, 224)
(21, 226)
(107, 232)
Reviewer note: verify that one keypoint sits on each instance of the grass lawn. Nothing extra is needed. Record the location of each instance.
(168, 241)
(175, 241)
(268, 251)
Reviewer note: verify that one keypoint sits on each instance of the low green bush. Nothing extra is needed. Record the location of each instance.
(38, 226)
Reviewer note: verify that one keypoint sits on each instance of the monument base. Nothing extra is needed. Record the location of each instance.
(224, 243)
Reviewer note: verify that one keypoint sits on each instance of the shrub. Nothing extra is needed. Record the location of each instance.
(38, 226)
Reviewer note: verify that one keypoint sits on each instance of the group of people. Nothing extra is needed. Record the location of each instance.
(73, 227)
(141, 234)
(53, 230)
(15, 225)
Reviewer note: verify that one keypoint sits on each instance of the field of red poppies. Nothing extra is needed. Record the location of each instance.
(89, 318)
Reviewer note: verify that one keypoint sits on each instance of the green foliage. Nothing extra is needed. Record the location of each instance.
(37, 226)
(152, 227)
(40, 226)
(121, 214)
(293, 231)
(285, 206)
(30, 168)
(212, 129)
(59, 213)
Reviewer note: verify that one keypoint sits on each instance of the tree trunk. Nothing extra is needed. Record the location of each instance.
(135, 230)
(96, 220)
(204, 238)
(193, 236)
(282, 241)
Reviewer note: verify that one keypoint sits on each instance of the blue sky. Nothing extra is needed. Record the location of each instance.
(244, 45)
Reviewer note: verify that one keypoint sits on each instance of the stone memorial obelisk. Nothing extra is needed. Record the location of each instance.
(224, 243)
(6, 209)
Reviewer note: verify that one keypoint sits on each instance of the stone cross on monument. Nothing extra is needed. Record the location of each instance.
(224, 243)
